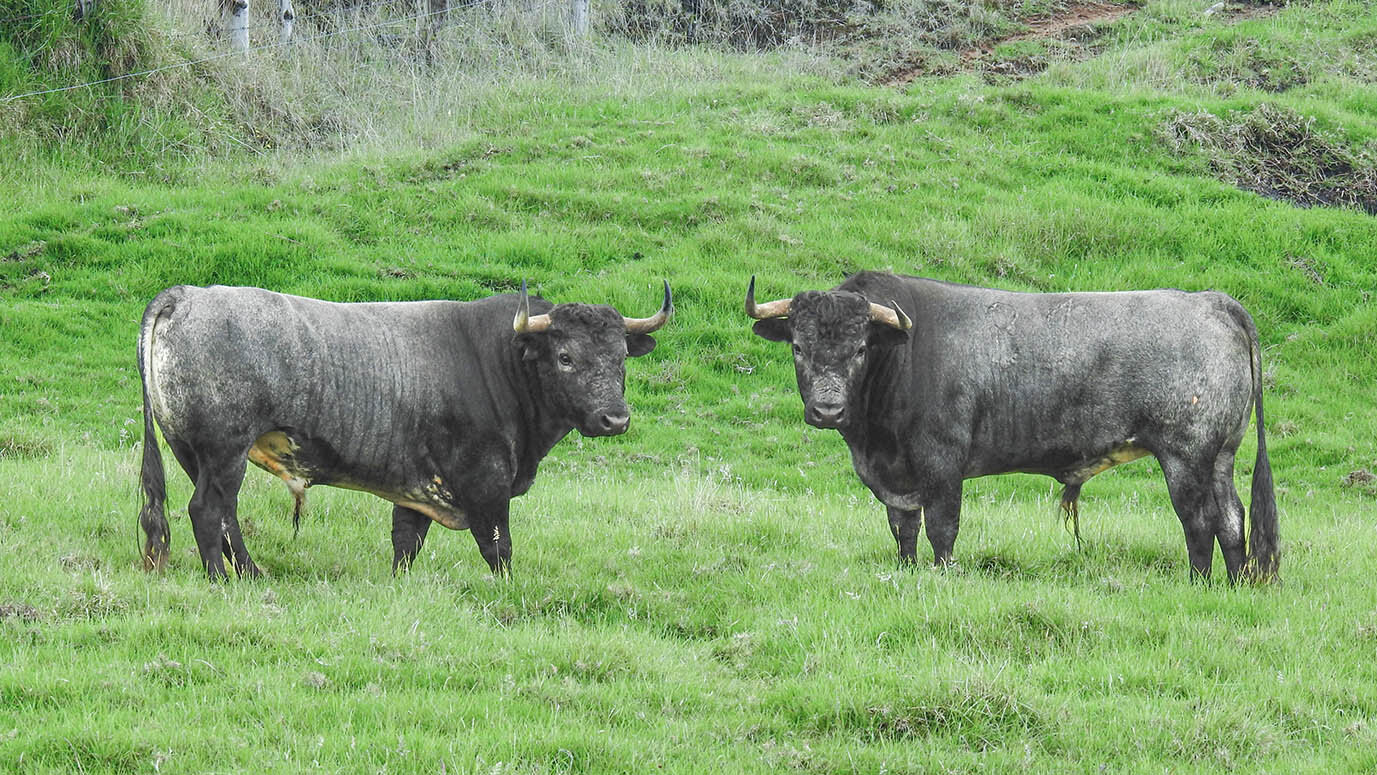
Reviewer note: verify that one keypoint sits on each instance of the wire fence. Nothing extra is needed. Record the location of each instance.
(449, 20)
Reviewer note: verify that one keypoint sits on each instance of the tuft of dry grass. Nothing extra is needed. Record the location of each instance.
(1276, 152)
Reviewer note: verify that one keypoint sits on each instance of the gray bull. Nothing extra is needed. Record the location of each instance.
(983, 381)
(443, 408)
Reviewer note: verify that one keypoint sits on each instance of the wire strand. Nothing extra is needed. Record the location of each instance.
(251, 49)
(51, 12)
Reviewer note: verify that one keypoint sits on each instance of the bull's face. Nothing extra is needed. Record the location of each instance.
(834, 335)
(579, 354)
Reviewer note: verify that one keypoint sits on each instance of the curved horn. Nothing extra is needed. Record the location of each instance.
(524, 323)
(654, 322)
(894, 318)
(770, 309)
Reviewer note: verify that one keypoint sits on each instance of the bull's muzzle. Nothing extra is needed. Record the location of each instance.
(606, 422)
(825, 415)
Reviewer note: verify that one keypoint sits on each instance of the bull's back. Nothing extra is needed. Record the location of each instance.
(239, 362)
(1053, 383)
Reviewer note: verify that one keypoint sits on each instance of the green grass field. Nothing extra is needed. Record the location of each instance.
(714, 590)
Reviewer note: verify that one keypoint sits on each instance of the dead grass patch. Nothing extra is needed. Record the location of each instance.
(1280, 154)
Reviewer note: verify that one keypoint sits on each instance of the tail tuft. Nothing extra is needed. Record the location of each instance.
(153, 485)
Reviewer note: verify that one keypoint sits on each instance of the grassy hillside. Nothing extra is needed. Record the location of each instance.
(715, 589)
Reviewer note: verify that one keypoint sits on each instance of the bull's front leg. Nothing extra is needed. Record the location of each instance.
(903, 524)
(489, 527)
(942, 516)
(408, 536)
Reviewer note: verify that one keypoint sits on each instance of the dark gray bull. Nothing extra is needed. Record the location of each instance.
(984, 382)
(443, 408)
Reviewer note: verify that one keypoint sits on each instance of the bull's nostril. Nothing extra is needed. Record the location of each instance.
(615, 422)
(830, 415)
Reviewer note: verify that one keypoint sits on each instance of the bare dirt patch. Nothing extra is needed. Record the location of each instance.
(1243, 11)
(1073, 23)
(1076, 26)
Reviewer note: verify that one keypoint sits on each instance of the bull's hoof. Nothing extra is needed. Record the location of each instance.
(155, 560)
(1260, 575)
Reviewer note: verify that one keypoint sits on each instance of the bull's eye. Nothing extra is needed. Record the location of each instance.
(860, 351)
(798, 351)
(565, 360)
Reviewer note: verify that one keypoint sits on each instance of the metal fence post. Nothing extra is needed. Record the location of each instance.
(234, 14)
(287, 16)
(578, 17)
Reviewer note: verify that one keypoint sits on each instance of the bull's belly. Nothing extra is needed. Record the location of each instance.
(297, 466)
(1069, 467)
(896, 483)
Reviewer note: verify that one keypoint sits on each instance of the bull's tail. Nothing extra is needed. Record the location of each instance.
(1071, 511)
(152, 480)
(1264, 561)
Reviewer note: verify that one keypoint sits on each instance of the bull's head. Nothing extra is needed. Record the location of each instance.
(834, 335)
(579, 352)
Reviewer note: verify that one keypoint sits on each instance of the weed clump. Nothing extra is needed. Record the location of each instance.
(1279, 154)
(1361, 480)
(974, 712)
(23, 448)
(1229, 61)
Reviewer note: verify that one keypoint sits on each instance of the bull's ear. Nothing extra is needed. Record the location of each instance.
(774, 329)
(885, 336)
(639, 344)
(529, 346)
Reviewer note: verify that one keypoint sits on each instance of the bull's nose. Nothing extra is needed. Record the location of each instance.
(826, 415)
(612, 424)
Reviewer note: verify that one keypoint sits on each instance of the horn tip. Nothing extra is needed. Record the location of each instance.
(905, 323)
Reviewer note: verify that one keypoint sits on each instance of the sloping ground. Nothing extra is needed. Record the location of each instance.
(713, 591)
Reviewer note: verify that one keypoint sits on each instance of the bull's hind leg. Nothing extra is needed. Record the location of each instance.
(1228, 528)
(212, 511)
(408, 535)
(1191, 484)
(232, 547)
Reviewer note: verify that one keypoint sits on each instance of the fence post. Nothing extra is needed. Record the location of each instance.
(578, 17)
(234, 15)
(439, 11)
(287, 15)
(430, 17)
